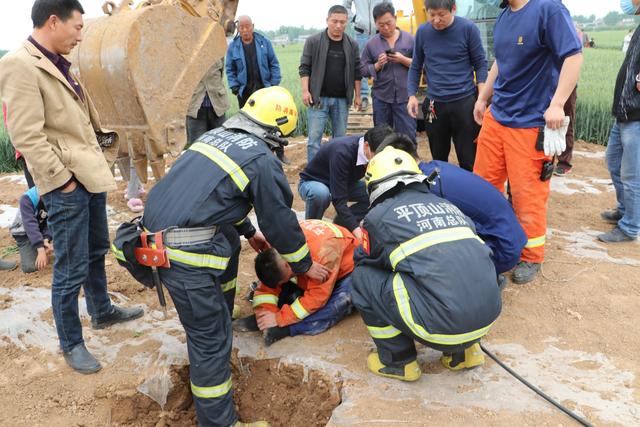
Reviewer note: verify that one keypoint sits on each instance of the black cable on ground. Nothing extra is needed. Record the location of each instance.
(542, 394)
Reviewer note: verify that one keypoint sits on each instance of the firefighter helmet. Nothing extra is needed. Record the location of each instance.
(389, 168)
(274, 107)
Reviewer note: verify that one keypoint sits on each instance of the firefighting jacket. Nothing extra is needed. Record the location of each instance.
(451, 296)
(217, 181)
(329, 245)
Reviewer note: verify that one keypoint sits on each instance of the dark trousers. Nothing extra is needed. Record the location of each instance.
(204, 309)
(395, 115)
(206, 120)
(373, 296)
(28, 254)
(78, 224)
(564, 159)
(452, 120)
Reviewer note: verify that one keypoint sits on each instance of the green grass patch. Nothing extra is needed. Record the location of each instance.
(610, 39)
(7, 152)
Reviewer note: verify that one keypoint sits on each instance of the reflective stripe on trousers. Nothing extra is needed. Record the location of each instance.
(211, 392)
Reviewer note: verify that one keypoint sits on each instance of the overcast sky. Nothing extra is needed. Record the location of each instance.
(15, 21)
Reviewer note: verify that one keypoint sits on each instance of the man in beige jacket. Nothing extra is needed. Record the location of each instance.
(208, 103)
(51, 120)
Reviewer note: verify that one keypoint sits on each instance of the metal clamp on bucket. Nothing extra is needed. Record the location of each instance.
(154, 256)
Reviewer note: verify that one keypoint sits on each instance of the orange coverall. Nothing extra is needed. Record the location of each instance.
(329, 245)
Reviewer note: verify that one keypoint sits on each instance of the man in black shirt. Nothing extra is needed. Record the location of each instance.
(330, 73)
(251, 62)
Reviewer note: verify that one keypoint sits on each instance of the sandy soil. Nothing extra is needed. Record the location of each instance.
(572, 332)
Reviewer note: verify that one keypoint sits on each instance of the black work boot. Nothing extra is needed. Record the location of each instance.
(274, 334)
(81, 360)
(117, 315)
(245, 324)
(525, 272)
(7, 265)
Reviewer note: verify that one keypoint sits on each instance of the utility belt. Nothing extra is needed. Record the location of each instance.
(133, 241)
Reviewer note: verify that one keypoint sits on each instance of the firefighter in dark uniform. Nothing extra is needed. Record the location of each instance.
(422, 273)
(202, 204)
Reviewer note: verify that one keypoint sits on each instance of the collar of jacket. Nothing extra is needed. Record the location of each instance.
(45, 64)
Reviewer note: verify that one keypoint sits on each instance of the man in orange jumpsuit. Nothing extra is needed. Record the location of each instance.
(538, 59)
(287, 304)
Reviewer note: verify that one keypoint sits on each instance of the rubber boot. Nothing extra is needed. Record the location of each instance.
(467, 359)
(253, 424)
(409, 372)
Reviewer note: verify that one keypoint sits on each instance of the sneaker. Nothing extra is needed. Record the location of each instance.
(471, 357)
(562, 170)
(364, 106)
(612, 216)
(409, 372)
(615, 236)
(525, 272)
(117, 315)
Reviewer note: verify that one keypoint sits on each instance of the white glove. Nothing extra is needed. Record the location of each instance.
(555, 139)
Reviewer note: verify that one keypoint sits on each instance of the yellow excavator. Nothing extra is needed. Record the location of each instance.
(142, 64)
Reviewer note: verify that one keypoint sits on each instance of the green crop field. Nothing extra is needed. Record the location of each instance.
(610, 39)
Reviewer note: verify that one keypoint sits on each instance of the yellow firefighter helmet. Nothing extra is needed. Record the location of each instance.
(389, 168)
(273, 106)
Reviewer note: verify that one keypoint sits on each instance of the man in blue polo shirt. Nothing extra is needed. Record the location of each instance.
(334, 175)
(538, 60)
(451, 51)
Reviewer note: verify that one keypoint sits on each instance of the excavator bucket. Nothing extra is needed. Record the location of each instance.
(141, 66)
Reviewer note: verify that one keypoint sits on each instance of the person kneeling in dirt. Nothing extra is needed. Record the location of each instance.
(492, 214)
(288, 304)
(422, 273)
(32, 235)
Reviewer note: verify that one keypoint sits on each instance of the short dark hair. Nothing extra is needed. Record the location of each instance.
(440, 4)
(337, 8)
(63, 9)
(383, 8)
(376, 135)
(268, 267)
(401, 142)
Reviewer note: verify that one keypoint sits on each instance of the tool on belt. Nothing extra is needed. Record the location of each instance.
(153, 255)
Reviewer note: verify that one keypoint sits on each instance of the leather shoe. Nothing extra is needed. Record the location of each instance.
(615, 236)
(525, 272)
(81, 360)
(612, 216)
(117, 315)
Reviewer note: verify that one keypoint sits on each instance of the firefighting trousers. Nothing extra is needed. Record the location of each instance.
(508, 153)
(204, 311)
(386, 309)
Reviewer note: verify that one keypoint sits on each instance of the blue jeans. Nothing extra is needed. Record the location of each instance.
(78, 223)
(335, 109)
(362, 40)
(395, 115)
(337, 308)
(317, 198)
(623, 161)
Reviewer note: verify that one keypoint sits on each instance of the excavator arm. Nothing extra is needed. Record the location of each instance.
(141, 66)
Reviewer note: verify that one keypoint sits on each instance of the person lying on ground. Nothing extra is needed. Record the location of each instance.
(287, 304)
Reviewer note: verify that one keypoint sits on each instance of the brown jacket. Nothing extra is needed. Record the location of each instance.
(52, 127)
(213, 84)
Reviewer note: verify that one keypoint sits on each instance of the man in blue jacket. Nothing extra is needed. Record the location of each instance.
(494, 219)
(251, 62)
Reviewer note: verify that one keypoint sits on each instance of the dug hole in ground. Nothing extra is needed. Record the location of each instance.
(572, 332)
